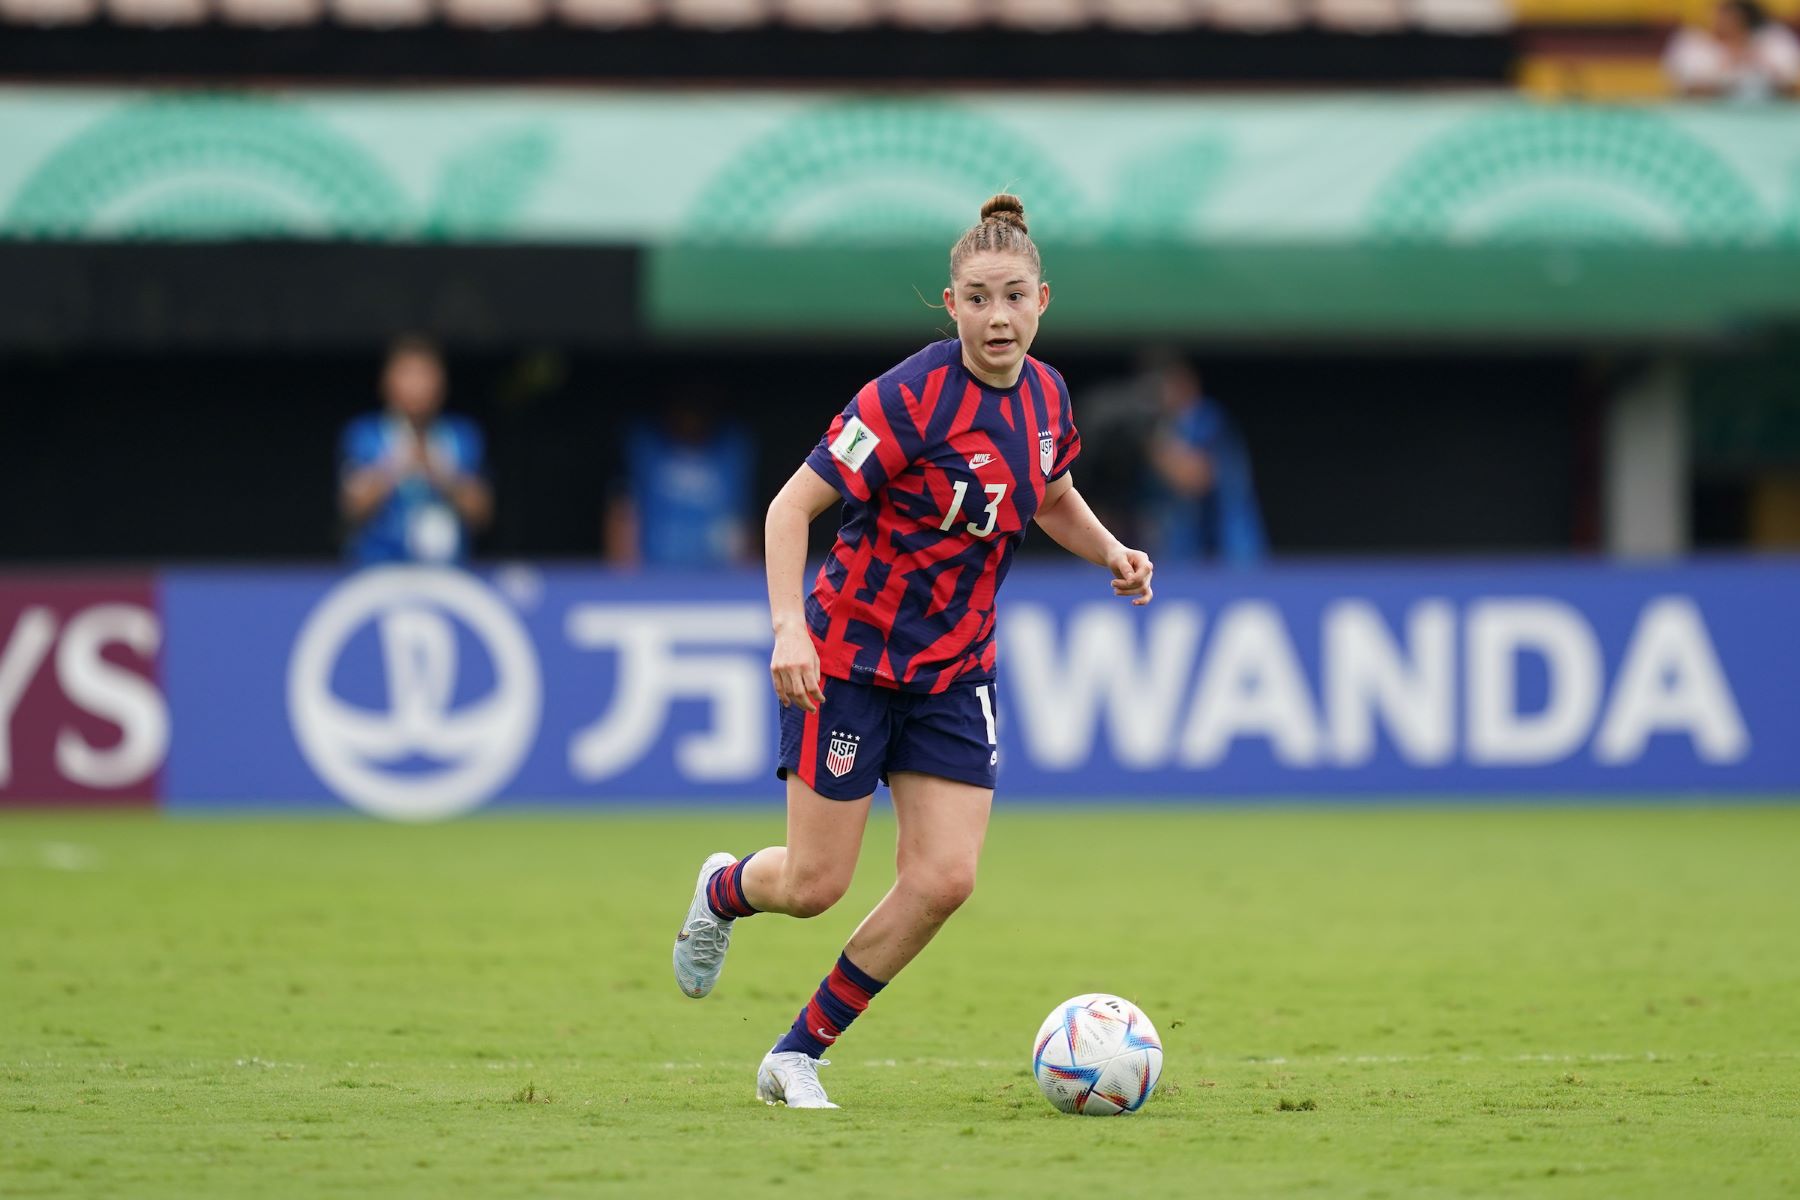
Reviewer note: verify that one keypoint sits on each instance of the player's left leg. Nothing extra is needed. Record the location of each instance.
(940, 765)
(943, 824)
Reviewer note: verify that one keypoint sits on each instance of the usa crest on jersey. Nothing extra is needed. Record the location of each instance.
(841, 756)
(1046, 450)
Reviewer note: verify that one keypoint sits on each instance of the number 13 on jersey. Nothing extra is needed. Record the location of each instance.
(996, 493)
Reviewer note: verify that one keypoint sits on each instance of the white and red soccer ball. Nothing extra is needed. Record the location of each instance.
(1097, 1055)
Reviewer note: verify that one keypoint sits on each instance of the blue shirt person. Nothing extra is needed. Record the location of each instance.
(411, 488)
(1199, 500)
(686, 495)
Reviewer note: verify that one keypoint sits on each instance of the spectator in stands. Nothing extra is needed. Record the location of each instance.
(1198, 501)
(1744, 56)
(412, 487)
(686, 496)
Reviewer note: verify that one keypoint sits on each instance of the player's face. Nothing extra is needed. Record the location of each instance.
(414, 386)
(996, 299)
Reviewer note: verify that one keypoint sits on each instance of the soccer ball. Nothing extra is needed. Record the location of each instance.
(1097, 1055)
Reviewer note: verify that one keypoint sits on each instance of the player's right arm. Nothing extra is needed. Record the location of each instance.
(794, 667)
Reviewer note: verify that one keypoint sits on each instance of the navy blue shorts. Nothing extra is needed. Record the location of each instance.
(863, 733)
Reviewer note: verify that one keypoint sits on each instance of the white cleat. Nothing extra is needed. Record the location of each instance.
(791, 1078)
(700, 946)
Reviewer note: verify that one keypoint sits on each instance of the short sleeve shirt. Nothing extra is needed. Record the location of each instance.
(415, 524)
(941, 474)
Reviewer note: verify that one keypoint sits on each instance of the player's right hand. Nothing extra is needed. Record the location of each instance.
(795, 669)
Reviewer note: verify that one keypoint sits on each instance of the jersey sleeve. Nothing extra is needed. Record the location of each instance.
(361, 446)
(1068, 439)
(471, 448)
(863, 449)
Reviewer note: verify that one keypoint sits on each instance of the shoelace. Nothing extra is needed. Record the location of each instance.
(803, 1084)
(706, 942)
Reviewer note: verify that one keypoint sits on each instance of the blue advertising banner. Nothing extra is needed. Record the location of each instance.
(416, 693)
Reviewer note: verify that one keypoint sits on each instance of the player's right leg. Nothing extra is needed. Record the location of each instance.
(802, 879)
(705, 932)
(813, 870)
(827, 809)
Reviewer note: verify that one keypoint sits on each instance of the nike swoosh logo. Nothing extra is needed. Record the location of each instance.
(827, 1038)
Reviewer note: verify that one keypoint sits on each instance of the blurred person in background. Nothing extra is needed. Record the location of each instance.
(1197, 499)
(412, 488)
(687, 490)
(1744, 55)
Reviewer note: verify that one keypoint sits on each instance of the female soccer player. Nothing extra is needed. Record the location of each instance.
(887, 670)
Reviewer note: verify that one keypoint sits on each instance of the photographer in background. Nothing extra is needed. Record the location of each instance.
(1177, 464)
(411, 488)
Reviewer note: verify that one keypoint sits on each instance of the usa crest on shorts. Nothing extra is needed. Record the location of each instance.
(1046, 450)
(841, 755)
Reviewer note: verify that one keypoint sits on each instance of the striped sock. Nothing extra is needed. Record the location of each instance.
(840, 1000)
(725, 892)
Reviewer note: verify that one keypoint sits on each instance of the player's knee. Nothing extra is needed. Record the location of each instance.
(813, 894)
(946, 886)
(958, 886)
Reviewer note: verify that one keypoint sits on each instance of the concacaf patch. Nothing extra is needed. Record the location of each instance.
(854, 443)
(1046, 450)
(840, 756)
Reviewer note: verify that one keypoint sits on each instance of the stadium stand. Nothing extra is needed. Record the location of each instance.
(158, 14)
(382, 14)
(1146, 16)
(828, 15)
(271, 14)
(1042, 16)
(718, 15)
(496, 14)
(1223, 43)
(1045, 16)
(48, 12)
(1360, 16)
(935, 15)
(1465, 17)
(1593, 49)
(1255, 16)
(1607, 49)
(1623, 18)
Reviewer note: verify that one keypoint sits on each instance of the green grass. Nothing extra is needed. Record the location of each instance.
(1538, 1002)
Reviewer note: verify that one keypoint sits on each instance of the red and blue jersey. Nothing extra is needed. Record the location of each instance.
(940, 473)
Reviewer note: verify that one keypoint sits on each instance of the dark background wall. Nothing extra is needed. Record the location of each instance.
(231, 455)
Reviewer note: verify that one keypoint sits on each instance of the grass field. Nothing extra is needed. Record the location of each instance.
(1537, 1002)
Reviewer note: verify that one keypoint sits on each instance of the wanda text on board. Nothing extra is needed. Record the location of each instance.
(421, 693)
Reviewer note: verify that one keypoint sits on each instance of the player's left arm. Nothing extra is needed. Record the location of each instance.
(1071, 524)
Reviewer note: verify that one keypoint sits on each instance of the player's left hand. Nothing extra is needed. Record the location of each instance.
(1131, 574)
